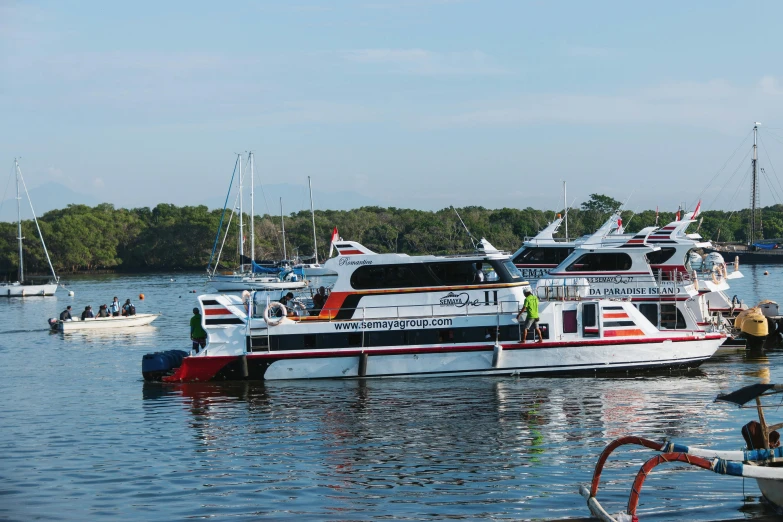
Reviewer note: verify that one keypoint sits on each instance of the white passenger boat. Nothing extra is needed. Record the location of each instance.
(102, 323)
(759, 461)
(22, 287)
(394, 315)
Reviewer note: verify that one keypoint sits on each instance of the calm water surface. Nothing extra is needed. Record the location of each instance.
(84, 438)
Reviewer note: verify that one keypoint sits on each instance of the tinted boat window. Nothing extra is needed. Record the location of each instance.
(660, 256)
(455, 272)
(391, 276)
(513, 271)
(601, 262)
(543, 255)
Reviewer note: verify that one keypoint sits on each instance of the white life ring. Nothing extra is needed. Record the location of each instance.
(274, 320)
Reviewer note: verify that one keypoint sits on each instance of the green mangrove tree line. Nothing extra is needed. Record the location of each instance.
(167, 237)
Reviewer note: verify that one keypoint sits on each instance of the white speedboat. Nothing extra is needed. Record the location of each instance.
(102, 323)
(27, 288)
(241, 282)
(392, 315)
(759, 461)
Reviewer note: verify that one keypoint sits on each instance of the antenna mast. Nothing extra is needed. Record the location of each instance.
(241, 224)
(282, 222)
(565, 209)
(312, 214)
(19, 221)
(252, 214)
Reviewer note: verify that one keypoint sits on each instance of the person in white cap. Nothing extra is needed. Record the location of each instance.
(531, 308)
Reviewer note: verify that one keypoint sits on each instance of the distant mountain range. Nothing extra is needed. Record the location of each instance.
(295, 198)
(45, 198)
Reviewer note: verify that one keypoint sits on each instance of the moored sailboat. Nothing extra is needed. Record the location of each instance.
(23, 287)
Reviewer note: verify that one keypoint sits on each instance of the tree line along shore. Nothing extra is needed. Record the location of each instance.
(167, 237)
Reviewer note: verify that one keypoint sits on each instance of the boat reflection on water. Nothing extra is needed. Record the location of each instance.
(124, 336)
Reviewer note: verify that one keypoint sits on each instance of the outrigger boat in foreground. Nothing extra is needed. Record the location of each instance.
(101, 323)
(762, 459)
(394, 315)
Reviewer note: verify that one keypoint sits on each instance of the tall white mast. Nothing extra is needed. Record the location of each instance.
(19, 221)
(252, 213)
(565, 209)
(754, 187)
(241, 224)
(312, 214)
(282, 221)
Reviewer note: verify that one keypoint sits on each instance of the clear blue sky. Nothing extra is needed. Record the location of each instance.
(414, 103)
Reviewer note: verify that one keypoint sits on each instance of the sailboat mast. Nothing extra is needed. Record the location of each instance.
(19, 221)
(754, 187)
(312, 214)
(282, 221)
(241, 224)
(565, 209)
(252, 213)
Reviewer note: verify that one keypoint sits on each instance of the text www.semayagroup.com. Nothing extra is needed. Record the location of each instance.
(397, 324)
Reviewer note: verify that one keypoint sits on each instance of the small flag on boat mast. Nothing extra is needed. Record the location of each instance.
(335, 237)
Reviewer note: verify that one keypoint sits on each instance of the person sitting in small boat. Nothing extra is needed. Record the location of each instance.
(65, 315)
(103, 311)
(114, 308)
(128, 308)
(87, 314)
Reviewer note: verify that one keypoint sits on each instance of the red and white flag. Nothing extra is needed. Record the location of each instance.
(335, 237)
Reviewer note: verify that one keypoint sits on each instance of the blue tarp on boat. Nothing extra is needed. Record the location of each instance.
(765, 246)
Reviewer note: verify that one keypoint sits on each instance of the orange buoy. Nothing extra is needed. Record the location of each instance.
(141, 297)
(766, 273)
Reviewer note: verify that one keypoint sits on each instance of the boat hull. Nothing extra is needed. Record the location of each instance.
(103, 323)
(548, 358)
(18, 290)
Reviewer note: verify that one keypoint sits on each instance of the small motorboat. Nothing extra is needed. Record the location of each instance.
(760, 460)
(101, 323)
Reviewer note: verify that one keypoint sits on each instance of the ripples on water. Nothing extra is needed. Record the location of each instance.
(85, 438)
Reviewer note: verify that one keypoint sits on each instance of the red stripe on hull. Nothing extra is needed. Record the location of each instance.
(216, 311)
(195, 369)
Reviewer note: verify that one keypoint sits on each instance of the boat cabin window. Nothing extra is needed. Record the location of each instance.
(660, 256)
(457, 272)
(671, 317)
(543, 255)
(569, 321)
(590, 319)
(650, 311)
(513, 271)
(601, 262)
(372, 277)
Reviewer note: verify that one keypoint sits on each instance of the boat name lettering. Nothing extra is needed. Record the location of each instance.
(459, 300)
(534, 273)
(634, 291)
(347, 261)
(614, 280)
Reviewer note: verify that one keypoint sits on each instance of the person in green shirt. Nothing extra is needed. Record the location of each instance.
(197, 333)
(531, 308)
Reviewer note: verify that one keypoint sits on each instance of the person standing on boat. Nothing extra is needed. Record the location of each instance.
(197, 333)
(531, 308)
(65, 315)
(87, 314)
(114, 308)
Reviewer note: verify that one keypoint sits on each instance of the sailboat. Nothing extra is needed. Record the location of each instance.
(23, 288)
(250, 276)
(314, 269)
(756, 251)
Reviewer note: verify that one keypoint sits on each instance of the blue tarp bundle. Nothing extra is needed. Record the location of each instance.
(765, 246)
(258, 269)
